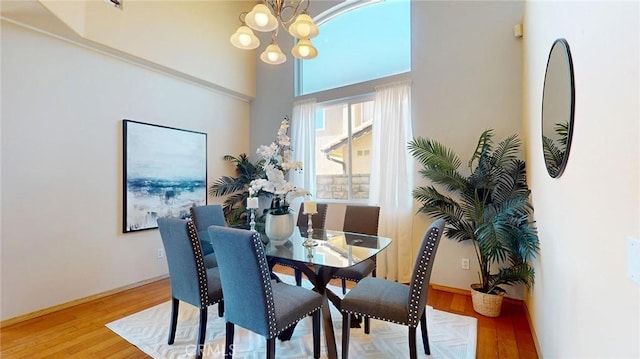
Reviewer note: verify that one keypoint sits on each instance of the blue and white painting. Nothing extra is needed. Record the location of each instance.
(165, 173)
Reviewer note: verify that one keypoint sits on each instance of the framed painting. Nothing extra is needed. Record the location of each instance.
(165, 173)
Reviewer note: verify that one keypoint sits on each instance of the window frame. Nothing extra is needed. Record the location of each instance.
(347, 101)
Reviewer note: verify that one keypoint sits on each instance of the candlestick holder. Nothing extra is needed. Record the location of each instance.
(309, 242)
(310, 254)
(252, 223)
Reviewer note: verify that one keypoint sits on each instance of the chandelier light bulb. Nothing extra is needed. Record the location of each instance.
(303, 27)
(261, 19)
(245, 39)
(273, 55)
(304, 49)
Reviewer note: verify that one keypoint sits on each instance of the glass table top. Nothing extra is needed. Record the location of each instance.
(331, 248)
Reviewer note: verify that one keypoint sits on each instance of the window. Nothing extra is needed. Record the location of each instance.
(319, 121)
(358, 43)
(343, 147)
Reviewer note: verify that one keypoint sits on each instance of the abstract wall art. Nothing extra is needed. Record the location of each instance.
(165, 173)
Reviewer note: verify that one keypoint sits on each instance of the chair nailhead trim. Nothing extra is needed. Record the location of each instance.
(417, 285)
(347, 278)
(266, 282)
(373, 317)
(200, 267)
(295, 321)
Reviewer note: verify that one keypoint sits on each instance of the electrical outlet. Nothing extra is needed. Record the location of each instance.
(465, 263)
(160, 253)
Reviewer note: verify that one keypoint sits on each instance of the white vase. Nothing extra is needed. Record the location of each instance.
(279, 227)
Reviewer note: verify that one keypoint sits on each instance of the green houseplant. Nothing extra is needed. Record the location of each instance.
(237, 188)
(555, 150)
(490, 207)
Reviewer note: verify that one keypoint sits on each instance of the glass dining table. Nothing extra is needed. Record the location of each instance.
(330, 250)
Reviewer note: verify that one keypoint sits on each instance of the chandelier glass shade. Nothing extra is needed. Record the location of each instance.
(268, 16)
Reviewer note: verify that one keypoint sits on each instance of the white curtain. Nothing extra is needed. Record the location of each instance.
(303, 143)
(392, 178)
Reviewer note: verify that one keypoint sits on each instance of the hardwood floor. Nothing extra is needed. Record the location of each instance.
(80, 332)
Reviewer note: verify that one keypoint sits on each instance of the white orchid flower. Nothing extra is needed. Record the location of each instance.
(277, 164)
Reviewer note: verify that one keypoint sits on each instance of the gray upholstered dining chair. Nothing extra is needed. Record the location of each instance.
(253, 300)
(318, 221)
(191, 281)
(203, 217)
(364, 220)
(395, 302)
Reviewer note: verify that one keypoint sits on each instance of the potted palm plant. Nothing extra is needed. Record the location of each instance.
(236, 188)
(489, 207)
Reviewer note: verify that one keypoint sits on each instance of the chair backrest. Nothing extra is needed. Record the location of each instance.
(422, 271)
(203, 217)
(318, 219)
(245, 277)
(361, 219)
(209, 215)
(187, 271)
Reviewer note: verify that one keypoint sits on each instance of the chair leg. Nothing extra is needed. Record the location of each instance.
(298, 275)
(425, 337)
(271, 348)
(201, 332)
(221, 309)
(344, 286)
(228, 349)
(413, 354)
(366, 325)
(316, 334)
(175, 303)
(346, 327)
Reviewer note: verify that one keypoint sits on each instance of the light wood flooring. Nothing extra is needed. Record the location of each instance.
(80, 332)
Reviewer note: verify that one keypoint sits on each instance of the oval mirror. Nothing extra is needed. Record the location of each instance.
(558, 102)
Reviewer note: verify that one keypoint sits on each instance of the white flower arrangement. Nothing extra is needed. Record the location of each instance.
(278, 162)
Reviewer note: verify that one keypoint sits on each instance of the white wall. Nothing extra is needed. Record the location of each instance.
(62, 111)
(466, 77)
(191, 37)
(583, 305)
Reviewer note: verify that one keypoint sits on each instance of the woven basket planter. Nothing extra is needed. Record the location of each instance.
(488, 305)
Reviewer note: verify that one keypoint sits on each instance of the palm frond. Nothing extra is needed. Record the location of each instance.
(522, 273)
(506, 151)
(451, 180)
(491, 241)
(484, 146)
(562, 129)
(433, 154)
(236, 188)
(553, 155)
(441, 206)
(226, 185)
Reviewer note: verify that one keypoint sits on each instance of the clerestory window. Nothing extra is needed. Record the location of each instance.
(358, 42)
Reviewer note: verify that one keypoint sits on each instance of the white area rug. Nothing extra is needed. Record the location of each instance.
(450, 335)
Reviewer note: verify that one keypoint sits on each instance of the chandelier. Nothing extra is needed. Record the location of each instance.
(267, 16)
